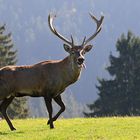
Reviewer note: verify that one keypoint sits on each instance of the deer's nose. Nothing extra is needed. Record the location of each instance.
(81, 60)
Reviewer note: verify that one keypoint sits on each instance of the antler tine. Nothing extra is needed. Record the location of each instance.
(72, 41)
(50, 22)
(83, 41)
(98, 22)
(98, 29)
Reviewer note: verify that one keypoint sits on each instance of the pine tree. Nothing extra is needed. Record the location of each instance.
(121, 94)
(19, 107)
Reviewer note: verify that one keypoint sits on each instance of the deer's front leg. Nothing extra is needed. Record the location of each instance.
(59, 101)
(48, 102)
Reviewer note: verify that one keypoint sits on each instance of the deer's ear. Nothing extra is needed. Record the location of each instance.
(87, 48)
(67, 48)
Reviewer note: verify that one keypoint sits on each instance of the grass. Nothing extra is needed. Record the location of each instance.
(115, 128)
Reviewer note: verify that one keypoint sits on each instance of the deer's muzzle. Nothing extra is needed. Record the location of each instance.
(80, 61)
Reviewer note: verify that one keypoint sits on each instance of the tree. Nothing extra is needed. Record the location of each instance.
(121, 94)
(18, 108)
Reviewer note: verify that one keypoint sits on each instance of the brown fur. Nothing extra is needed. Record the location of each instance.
(48, 77)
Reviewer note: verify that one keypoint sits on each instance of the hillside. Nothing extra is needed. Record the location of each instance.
(27, 20)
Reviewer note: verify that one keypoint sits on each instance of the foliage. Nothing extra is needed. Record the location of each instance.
(116, 128)
(7, 54)
(121, 94)
(18, 108)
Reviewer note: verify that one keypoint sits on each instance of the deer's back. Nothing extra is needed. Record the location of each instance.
(33, 80)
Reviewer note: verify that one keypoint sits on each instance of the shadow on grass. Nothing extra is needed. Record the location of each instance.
(4, 133)
(11, 132)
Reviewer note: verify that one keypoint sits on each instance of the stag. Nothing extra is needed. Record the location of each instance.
(47, 79)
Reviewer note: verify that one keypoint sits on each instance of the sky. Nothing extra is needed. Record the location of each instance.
(27, 20)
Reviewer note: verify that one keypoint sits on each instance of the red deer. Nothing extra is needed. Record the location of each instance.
(46, 79)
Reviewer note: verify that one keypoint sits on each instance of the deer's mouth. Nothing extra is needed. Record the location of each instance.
(79, 63)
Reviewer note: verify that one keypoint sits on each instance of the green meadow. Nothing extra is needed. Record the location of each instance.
(113, 128)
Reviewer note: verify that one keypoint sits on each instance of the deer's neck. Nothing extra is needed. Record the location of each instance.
(71, 71)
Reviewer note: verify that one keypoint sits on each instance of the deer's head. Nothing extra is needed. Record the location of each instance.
(77, 52)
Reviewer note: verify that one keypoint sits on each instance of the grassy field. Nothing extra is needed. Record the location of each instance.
(117, 128)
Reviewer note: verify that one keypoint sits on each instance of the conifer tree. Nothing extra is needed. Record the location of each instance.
(19, 107)
(121, 94)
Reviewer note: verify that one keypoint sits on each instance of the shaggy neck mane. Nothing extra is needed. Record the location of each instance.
(70, 71)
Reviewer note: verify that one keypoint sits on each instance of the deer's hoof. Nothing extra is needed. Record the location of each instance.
(13, 129)
(51, 126)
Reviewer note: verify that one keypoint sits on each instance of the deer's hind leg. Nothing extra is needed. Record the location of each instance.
(3, 107)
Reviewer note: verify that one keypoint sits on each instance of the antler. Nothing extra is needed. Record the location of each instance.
(98, 29)
(50, 22)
